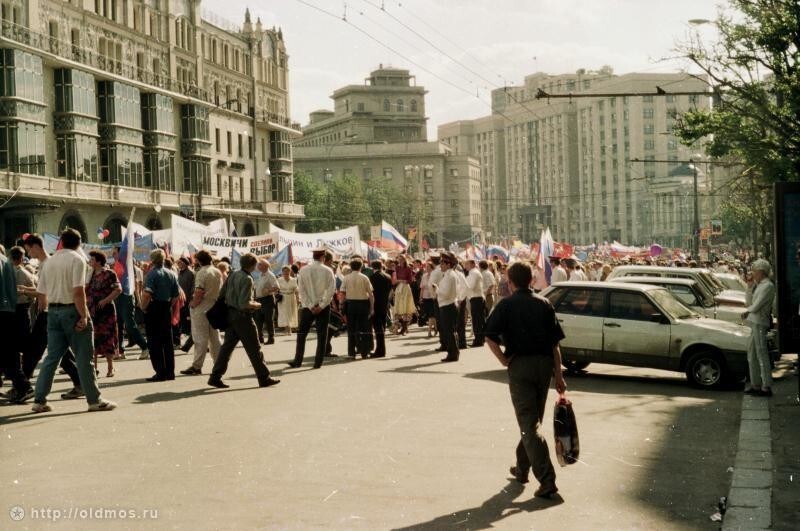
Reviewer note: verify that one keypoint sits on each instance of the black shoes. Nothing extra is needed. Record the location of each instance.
(270, 341)
(157, 378)
(448, 359)
(518, 475)
(191, 371)
(293, 365)
(546, 490)
(476, 344)
(218, 383)
(765, 392)
(374, 355)
(268, 382)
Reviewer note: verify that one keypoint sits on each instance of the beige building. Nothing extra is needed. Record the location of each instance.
(153, 104)
(378, 129)
(570, 163)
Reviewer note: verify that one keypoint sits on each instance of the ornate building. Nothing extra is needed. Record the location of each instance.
(110, 104)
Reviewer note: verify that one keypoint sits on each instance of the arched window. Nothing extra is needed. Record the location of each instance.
(386, 105)
(413, 105)
(400, 106)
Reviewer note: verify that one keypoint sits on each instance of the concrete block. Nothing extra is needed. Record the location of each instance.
(754, 428)
(738, 518)
(754, 402)
(752, 479)
(757, 444)
(752, 459)
(741, 497)
(755, 414)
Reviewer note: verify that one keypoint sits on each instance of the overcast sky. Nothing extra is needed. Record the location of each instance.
(497, 42)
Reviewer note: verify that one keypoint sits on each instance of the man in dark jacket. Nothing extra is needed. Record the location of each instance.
(381, 287)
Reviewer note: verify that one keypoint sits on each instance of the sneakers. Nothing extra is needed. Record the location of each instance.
(145, 355)
(41, 408)
(72, 394)
(102, 405)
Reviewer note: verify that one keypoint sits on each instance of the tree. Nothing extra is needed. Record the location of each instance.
(753, 68)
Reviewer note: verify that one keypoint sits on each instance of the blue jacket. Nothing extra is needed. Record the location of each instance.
(8, 285)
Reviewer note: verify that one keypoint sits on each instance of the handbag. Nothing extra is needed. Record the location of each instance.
(278, 297)
(217, 315)
(566, 431)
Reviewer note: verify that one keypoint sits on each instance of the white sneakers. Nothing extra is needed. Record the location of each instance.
(145, 355)
(41, 408)
(100, 405)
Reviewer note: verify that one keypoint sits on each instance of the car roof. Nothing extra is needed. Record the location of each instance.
(660, 269)
(605, 285)
(657, 280)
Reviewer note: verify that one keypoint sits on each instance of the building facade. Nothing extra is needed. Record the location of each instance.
(587, 167)
(155, 104)
(378, 129)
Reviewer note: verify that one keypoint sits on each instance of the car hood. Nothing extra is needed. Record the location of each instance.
(731, 295)
(717, 326)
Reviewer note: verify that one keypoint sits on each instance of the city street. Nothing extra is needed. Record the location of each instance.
(404, 442)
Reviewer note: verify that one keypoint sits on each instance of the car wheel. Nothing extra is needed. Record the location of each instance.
(574, 366)
(705, 369)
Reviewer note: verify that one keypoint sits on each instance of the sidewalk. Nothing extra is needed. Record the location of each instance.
(765, 488)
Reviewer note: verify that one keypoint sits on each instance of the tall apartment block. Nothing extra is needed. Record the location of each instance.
(111, 104)
(586, 167)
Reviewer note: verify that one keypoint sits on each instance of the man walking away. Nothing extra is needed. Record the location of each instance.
(317, 286)
(160, 292)
(62, 282)
(381, 287)
(527, 326)
(207, 285)
(266, 288)
(359, 304)
(238, 293)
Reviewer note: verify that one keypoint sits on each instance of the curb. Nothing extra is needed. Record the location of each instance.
(750, 495)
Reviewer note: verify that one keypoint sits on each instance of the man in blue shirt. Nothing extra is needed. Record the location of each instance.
(160, 292)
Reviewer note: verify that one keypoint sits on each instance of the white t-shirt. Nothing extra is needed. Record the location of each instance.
(60, 274)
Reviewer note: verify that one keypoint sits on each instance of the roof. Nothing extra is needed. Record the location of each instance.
(604, 285)
(657, 280)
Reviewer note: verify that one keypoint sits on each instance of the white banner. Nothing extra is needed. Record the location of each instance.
(344, 242)
(262, 246)
(187, 235)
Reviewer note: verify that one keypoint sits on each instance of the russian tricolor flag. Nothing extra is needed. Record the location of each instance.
(124, 267)
(391, 238)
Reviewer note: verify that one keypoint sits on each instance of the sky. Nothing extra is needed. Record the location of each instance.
(460, 50)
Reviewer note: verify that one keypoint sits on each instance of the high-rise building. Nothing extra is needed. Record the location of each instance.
(155, 104)
(571, 164)
(378, 129)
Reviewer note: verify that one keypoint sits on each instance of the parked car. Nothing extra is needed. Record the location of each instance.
(690, 293)
(643, 325)
(704, 277)
(731, 281)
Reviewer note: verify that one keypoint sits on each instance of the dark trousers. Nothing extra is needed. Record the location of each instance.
(265, 317)
(379, 327)
(158, 324)
(477, 307)
(321, 321)
(448, 320)
(125, 305)
(359, 335)
(529, 382)
(438, 315)
(10, 352)
(34, 350)
(241, 327)
(461, 326)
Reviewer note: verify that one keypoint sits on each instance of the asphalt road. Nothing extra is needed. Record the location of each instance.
(401, 442)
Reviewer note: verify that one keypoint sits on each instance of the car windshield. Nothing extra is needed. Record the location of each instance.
(731, 282)
(672, 306)
(709, 279)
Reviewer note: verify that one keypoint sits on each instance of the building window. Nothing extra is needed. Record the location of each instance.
(647, 112)
(367, 174)
(387, 172)
(386, 105)
(360, 106)
(649, 144)
(413, 105)
(241, 150)
(230, 143)
(400, 106)
(216, 139)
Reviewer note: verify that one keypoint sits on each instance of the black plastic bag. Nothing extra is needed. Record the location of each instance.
(566, 431)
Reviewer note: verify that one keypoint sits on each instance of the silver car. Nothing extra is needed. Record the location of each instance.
(646, 326)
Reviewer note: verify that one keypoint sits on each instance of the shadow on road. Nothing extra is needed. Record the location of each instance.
(168, 396)
(30, 415)
(496, 508)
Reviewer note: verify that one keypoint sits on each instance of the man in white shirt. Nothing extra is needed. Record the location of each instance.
(359, 305)
(461, 325)
(760, 296)
(436, 276)
(488, 284)
(559, 273)
(447, 297)
(266, 288)
(316, 288)
(477, 304)
(62, 281)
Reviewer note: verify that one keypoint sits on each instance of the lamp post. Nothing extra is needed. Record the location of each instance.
(696, 240)
(328, 177)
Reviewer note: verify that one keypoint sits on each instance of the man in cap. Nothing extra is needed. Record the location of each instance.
(447, 297)
(760, 296)
(559, 273)
(316, 288)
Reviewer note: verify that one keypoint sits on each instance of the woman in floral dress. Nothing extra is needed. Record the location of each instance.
(404, 307)
(101, 290)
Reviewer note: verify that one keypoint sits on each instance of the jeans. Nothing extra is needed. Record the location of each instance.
(205, 337)
(321, 321)
(61, 335)
(36, 346)
(265, 317)
(241, 327)
(125, 318)
(448, 318)
(529, 382)
(158, 323)
(758, 357)
(359, 335)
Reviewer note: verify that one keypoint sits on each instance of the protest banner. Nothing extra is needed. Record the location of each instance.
(187, 235)
(344, 243)
(261, 246)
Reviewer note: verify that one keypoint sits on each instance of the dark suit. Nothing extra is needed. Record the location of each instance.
(381, 287)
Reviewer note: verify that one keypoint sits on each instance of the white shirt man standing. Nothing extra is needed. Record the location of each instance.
(317, 286)
(477, 303)
(447, 297)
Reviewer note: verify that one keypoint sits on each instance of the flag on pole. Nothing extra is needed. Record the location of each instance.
(391, 238)
(124, 267)
(282, 258)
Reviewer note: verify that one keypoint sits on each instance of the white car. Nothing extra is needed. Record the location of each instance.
(646, 326)
(731, 281)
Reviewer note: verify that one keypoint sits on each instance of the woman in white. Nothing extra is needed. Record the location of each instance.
(427, 299)
(287, 307)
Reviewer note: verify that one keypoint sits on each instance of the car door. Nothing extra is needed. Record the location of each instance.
(580, 312)
(686, 295)
(634, 332)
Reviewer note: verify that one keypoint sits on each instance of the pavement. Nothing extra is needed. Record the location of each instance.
(403, 442)
(765, 487)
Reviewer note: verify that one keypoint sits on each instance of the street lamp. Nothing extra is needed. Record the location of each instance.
(267, 175)
(696, 240)
(328, 177)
